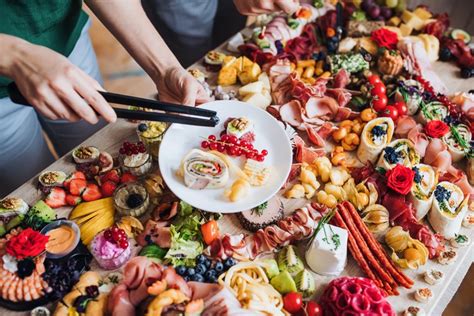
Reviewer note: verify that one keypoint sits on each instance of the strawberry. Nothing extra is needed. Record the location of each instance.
(112, 175)
(128, 177)
(91, 193)
(56, 198)
(77, 186)
(73, 200)
(108, 188)
(72, 176)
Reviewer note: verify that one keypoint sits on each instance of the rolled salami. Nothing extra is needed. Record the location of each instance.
(401, 151)
(448, 209)
(202, 170)
(375, 136)
(421, 194)
(458, 142)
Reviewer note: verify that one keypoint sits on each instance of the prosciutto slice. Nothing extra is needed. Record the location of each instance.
(459, 178)
(306, 154)
(437, 155)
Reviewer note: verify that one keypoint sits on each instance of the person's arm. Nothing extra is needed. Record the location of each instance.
(52, 84)
(128, 22)
(256, 7)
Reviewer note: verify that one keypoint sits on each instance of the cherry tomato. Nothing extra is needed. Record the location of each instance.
(378, 89)
(373, 79)
(379, 103)
(401, 107)
(390, 111)
(313, 309)
(210, 231)
(293, 302)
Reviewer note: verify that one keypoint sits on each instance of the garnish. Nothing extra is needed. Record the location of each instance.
(323, 221)
(418, 176)
(400, 179)
(459, 139)
(460, 238)
(436, 128)
(381, 170)
(318, 3)
(25, 268)
(259, 209)
(442, 194)
(391, 155)
(28, 243)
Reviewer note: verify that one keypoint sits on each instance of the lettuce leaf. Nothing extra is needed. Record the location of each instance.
(184, 250)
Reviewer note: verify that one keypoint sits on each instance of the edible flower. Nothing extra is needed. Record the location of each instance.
(28, 243)
(385, 38)
(400, 179)
(436, 128)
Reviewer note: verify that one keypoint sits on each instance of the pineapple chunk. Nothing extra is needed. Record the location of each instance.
(227, 76)
(263, 77)
(258, 100)
(394, 21)
(406, 29)
(250, 73)
(246, 62)
(251, 88)
(422, 13)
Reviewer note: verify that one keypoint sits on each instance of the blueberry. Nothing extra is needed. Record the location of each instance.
(201, 268)
(445, 54)
(326, 67)
(210, 273)
(208, 263)
(219, 267)
(467, 72)
(197, 277)
(334, 39)
(229, 262)
(190, 272)
(322, 55)
(181, 270)
(212, 280)
(332, 46)
(200, 259)
(142, 127)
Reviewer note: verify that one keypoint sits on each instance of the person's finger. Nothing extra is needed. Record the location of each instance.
(76, 102)
(45, 110)
(50, 96)
(54, 102)
(288, 6)
(202, 96)
(267, 6)
(190, 92)
(95, 100)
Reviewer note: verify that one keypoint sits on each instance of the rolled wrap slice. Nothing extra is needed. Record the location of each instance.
(410, 91)
(202, 170)
(455, 147)
(401, 151)
(448, 209)
(376, 135)
(432, 111)
(421, 194)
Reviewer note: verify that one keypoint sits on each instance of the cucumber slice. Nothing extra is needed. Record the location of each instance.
(462, 35)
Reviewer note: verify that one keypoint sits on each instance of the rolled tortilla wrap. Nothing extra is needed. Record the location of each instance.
(421, 194)
(456, 148)
(203, 170)
(401, 151)
(375, 136)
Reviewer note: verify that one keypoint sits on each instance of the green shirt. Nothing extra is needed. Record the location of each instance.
(56, 24)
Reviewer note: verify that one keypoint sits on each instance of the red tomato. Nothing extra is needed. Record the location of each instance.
(379, 103)
(391, 111)
(313, 309)
(373, 79)
(293, 302)
(401, 107)
(210, 231)
(378, 89)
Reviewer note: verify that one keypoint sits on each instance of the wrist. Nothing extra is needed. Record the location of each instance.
(11, 51)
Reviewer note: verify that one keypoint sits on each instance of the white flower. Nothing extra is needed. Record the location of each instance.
(10, 263)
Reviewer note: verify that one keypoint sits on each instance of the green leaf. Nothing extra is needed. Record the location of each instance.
(183, 251)
(185, 209)
(153, 251)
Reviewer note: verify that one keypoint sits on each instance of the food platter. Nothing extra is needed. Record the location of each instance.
(269, 135)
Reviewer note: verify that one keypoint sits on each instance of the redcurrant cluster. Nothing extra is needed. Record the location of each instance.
(130, 149)
(233, 147)
(116, 236)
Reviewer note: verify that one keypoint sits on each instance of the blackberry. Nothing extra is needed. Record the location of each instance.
(467, 72)
(25, 268)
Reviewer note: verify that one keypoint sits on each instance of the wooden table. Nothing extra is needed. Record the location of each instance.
(111, 137)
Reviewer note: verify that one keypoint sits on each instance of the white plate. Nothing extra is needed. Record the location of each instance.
(180, 139)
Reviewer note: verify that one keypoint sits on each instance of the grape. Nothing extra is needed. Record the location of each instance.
(386, 12)
(374, 11)
(391, 3)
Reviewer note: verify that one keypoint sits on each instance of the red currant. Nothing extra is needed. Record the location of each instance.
(123, 244)
(225, 138)
(264, 152)
(237, 142)
(122, 151)
(205, 144)
(213, 146)
(250, 147)
(108, 235)
(116, 236)
(238, 152)
(221, 148)
(249, 155)
(232, 139)
(244, 143)
(212, 137)
(260, 158)
(233, 151)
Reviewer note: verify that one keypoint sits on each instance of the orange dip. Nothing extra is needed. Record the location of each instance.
(61, 239)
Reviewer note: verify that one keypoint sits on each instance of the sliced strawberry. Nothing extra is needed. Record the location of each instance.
(91, 193)
(128, 177)
(73, 200)
(112, 175)
(108, 188)
(56, 198)
(72, 176)
(77, 186)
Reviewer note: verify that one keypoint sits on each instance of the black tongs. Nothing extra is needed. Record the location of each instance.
(17, 97)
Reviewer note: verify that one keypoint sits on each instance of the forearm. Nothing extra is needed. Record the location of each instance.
(11, 48)
(129, 24)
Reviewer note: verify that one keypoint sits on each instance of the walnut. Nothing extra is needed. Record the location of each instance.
(390, 63)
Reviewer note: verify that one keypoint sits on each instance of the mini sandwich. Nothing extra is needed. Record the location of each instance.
(432, 111)
(400, 151)
(203, 170)
(376, 135)
(421, 194)
(448, 209)
(458, 142)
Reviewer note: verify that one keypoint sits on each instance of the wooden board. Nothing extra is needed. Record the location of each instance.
(111, 137)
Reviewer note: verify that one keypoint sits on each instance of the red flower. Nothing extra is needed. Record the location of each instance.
(385, 38)
(436, 128)
(400, 179)
(28, 243)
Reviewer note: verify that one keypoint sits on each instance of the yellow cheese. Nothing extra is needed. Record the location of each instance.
(227, 76)
(412, 20)
(228, 61)
(251, 88)
(406, 29)
(394, 21)
(250, 73)
(246, 62)
(422, 13)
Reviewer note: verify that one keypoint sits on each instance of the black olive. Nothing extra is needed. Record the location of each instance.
(445, 54)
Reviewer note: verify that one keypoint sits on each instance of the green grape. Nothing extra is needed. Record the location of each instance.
(391, 3)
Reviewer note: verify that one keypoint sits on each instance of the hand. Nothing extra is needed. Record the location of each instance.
(179, 86)
(256, 7)
(57, 88)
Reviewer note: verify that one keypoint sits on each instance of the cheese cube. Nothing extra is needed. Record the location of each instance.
(406, 29)
(250, 73)
(412, 20)
(228, 61)
(394, 21)
(263, 77)
(422, 13)
(251, 88)
(227, 76)
(258, 100)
